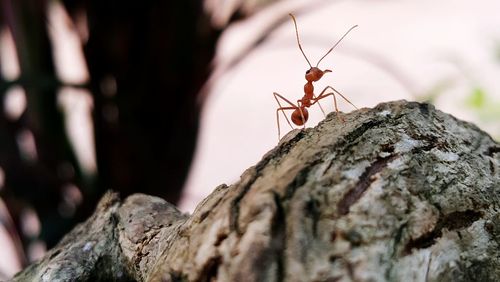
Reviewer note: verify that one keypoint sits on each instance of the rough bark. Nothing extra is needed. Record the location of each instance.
(400, 192)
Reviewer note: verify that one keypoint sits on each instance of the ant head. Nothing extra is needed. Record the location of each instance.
(314, 74)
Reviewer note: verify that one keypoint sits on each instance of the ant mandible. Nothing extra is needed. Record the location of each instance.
(300, 113)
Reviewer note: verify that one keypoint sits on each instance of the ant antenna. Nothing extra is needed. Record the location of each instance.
(298, 41)
(335, 44)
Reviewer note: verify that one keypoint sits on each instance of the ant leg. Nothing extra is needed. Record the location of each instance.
(320, 107)
(322, 96)
(335, 90)
(276, 95)
(282, 109)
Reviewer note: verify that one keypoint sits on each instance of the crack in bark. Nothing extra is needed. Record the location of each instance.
(279, 236)
(311, 208)
(300, 179)
(207, 212)
(424, 109)
(452, 221)
(349, 139)
(365, 180)
(118, 257)
(149, 235)
(432, 141)
(275, 154)
(176, 276)
(492, 150)
(235, 207)
(397, 239)
(210, 270)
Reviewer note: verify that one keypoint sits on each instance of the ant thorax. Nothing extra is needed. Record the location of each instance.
(309, 88)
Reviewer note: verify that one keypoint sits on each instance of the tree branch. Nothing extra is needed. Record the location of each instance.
(400, 192)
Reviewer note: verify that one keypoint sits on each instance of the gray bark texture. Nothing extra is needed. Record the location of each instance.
(400, 192)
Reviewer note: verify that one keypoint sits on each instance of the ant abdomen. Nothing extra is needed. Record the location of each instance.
(298, 118)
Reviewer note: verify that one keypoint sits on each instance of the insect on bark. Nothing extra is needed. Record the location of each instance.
(300, 114)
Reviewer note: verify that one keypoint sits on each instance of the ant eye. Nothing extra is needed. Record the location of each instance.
(308, 71)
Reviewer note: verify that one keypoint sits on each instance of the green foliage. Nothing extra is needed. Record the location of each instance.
(484, 107)
(477, 98)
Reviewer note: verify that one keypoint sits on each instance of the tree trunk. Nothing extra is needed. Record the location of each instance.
(400, 192)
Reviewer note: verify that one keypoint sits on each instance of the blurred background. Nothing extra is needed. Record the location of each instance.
(172, 99)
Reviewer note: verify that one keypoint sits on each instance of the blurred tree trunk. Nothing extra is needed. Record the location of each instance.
(35, 180)
(147, 62)
(401, 192)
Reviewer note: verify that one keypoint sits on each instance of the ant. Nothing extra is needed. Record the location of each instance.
(300, 113)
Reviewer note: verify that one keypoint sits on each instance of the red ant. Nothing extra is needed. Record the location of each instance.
(300, 113)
